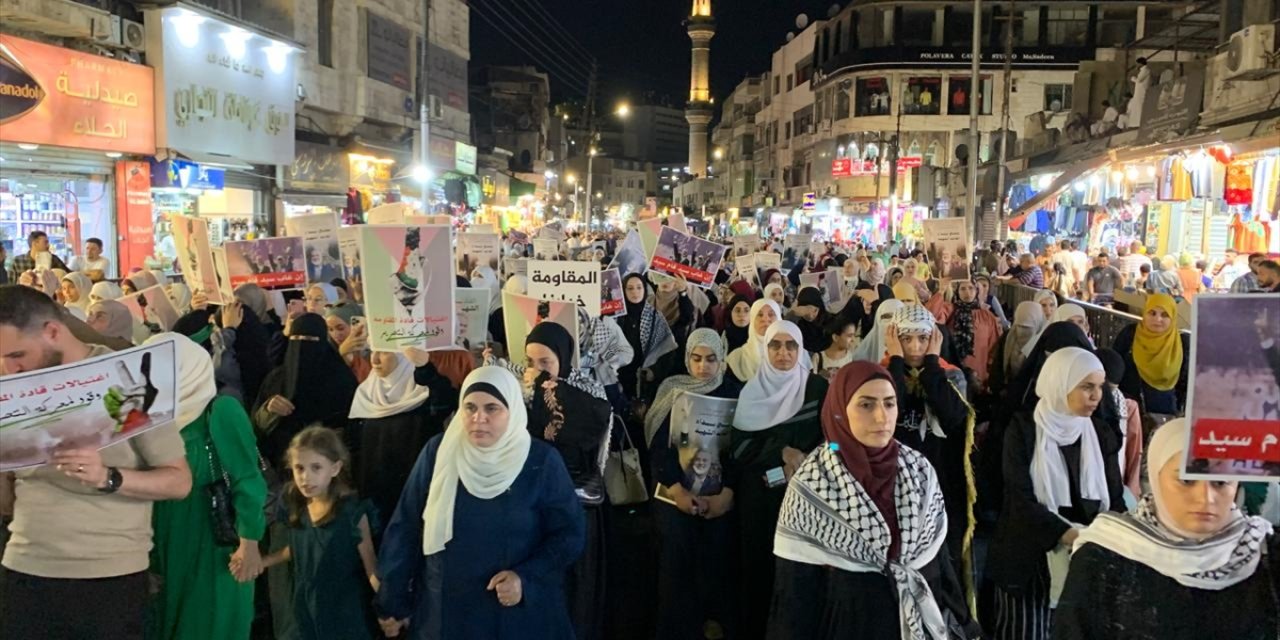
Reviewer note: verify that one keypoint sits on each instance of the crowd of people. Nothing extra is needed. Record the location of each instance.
(912, 460)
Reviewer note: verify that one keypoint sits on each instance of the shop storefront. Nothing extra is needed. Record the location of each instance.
(317, 181)
(67, 117)
(225, 120)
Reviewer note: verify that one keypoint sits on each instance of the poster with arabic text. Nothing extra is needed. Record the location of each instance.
(565, 281)
(408, 286)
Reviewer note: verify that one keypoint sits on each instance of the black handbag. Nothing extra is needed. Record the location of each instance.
(221, 511)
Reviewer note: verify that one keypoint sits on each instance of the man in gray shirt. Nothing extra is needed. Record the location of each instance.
(1102, 281)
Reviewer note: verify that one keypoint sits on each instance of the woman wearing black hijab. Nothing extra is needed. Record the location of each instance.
(569, 410)
(734, 334)
(647, 331)
(314, 385)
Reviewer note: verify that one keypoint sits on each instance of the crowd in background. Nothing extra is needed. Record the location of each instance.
(910, 459)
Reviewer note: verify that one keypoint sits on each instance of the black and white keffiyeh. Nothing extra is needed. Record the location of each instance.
(656, 339)
(828, 519)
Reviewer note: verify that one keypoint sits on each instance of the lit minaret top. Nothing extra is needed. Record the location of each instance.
(701, 27)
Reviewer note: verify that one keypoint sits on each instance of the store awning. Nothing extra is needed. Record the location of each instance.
(333, 201)
(212, 160)
(1069, 175)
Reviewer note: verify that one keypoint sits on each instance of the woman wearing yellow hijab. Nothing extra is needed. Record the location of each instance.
(1156, 357)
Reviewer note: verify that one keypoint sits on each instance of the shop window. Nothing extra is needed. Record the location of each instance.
(961, 93)
(922, 96)
(873, 97)
(1057, 97)
(1067, 27)
(842, 103)
(931, 156)
(917, 27)
(872, 152)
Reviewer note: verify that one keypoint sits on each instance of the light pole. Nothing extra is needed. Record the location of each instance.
(573, 184)
(591, 155)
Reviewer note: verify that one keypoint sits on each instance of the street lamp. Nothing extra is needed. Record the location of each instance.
(623, 110)
(591, 155)
(718, 154)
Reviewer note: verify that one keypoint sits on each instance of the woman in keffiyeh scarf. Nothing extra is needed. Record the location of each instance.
(862, 532)
(647, 332)
(975, 331)
(1132, 575)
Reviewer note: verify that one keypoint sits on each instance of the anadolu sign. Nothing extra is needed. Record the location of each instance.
(224, 89)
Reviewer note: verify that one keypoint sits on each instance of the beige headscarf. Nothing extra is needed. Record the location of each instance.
(196, 386)
(119, 319)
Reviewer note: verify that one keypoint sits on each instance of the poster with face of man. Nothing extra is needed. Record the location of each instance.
(275, 264)
(795, 250)
(408, 286)
(472, 306)
(700, 428)
(611, 296)
(1233, 401)
(479, 249)
(191, 237)
(319, 233)
(946, 242)
(349, 247)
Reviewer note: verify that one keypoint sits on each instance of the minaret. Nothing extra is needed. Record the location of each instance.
(701, 27)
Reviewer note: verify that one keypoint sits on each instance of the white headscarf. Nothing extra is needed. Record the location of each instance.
(83, 286)
(1056, 427)
(180, 295)
(1226, 558)
(1068, 311)
(1031, 344)
(772, 396)
(485, 472)
(516, 284)
(770, 288)
(872, 348)
(105, 290)
(745, 360)
(486, 278)
(379, 397)
(196, 386)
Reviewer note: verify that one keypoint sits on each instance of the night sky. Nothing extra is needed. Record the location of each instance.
(640, 45)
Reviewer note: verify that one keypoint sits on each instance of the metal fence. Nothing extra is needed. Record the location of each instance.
(1104, 323)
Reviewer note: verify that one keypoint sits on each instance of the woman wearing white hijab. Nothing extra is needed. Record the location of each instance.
(207, 587)
(1061, 472)
(1074, 314)
(76, 287)
(402, 404)
(1185, 565)
(486, 527)
(1028, 323)
(745, 360)
(180, 295)
(775, 426)
(105, 290)
(872, 347)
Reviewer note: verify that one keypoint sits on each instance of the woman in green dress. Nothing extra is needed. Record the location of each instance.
(207, 588)
(775, 427)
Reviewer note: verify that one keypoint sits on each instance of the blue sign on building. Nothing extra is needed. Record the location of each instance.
(183, 174)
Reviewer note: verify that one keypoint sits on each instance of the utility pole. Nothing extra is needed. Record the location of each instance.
(592, 137)
(975, 86)
(424, 100)
(1002, 230)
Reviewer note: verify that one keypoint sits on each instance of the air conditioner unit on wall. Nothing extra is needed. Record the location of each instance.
(132, 35)
(435, 108)
(106, 31)
(1251, 53)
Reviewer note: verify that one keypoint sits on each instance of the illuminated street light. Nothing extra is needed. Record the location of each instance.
(719, 153)
(623, 110)
(421, 173)
(571, 178)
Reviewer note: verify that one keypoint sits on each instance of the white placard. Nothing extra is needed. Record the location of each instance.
(566, 281)
(472, 306)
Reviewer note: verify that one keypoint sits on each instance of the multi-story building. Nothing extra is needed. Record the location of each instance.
(513, 113)
(655, 133)
(733, 142)
(785, 124)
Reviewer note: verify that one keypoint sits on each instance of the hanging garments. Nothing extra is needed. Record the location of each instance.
(1239, 188)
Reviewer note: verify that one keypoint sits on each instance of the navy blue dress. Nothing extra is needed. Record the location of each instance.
(536, 528)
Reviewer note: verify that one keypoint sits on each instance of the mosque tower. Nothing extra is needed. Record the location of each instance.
(701, 27)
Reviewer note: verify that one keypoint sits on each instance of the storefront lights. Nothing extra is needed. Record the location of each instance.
(278, 56)
(114, 154)
(235, 40)
(1131, 173)
(1117, 175)
(421, 173)
(1151, 171)
(187, 27)
(27, 146)
(1045, 181)
(1080, 186)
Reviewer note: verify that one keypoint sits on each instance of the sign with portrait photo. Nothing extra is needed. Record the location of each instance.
(700, 428)
(408, 286)
(1233, 401)
(946, 242)
(795, 250)
(89, 404)
(275, 264)
(612, 300)
(349, 248)
(681, 254)
(319, 233)
(477, 249)
(472, 306)
(195, 256)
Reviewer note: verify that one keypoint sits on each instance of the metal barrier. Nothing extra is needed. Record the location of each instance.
(1104, 323)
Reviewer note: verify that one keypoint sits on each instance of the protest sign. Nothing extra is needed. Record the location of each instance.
(745, 245)
(195, 256)
(515, 266)
(393, 213)
(477, 249)
(700, 428)
(612, 302)
(680, 254)
(408, 286)
(946, 242)
(795, 250)
(566, 281)
(630, 257)
(546, 249)
(270, 263)
(521, 313)
(319, 233)
(519, 240)
(89, 404)
(766, 260)
(649, 230)
(151, 307)
(551, 231)
(828, 282)
(220, 272)
(1233, 401)
(745, 268)
(349, 246)
(590, 252)
(472, 306)
(676, 221)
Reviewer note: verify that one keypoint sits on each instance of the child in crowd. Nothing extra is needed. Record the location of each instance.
(330, 544)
